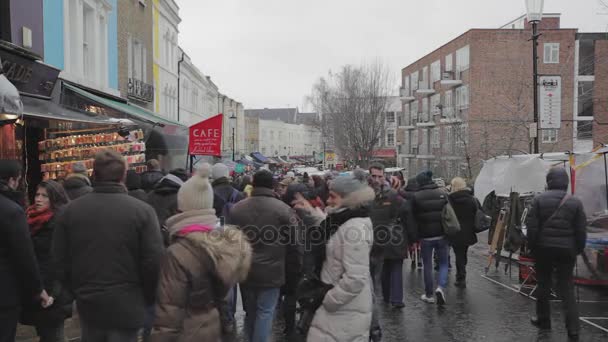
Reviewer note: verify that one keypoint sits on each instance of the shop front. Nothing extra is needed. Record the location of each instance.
(50, 125)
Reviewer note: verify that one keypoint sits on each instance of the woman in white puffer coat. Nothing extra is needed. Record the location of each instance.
(346, 312)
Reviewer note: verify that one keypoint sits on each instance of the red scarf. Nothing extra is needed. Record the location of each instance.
(36, 219)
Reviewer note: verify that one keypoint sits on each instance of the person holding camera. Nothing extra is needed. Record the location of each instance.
(336, 292)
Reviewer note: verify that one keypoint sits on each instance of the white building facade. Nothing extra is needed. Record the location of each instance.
(85, 38)
(166, 57)
(198, 95)
(277, 138)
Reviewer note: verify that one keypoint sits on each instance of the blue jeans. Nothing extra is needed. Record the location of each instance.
(260, 304)
(392, 281)
(441, 247)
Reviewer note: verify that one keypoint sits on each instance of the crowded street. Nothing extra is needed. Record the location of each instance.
(303, 171)
(487, 310)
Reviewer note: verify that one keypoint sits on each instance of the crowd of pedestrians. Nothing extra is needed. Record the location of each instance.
(164, 257)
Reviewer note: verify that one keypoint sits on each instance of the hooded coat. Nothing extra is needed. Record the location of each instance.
(199, 268)
(565, 230)
(150, 179)
(346, 311)
(77, 185)
(164, 198)
(465, 207)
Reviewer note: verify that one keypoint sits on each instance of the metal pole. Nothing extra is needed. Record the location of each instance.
(535, 82)
(606, 179)
(233, 146)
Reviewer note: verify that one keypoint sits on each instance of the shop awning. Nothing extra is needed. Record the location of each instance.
(283, 160)
(126, 108)
(47, 109)
(259, 157)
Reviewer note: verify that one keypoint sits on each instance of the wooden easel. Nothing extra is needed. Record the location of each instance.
(497, 238)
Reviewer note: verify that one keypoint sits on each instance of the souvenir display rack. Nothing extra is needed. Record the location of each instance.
(58, 155)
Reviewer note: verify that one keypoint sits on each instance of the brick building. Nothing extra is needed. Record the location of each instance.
(472, 98)
(135, 47)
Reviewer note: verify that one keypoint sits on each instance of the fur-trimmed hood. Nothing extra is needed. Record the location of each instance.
(229, 250)
(359, 198)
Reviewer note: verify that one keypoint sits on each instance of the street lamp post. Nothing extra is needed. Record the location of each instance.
(233, 119)
(534, 10)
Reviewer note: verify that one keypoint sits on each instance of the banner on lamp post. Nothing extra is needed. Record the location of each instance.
(206, 137)
(550, 102)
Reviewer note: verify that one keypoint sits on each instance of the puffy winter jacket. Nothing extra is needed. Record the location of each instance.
(150, 179)
(196, 273)
(265, 220)
(465, 206)
(346, 312)
(567, 229)
(164, 198)
(427, 205)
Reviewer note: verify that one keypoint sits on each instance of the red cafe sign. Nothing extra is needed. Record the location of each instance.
(206, 137)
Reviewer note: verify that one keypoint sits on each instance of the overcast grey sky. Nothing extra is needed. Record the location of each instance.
(268, 53)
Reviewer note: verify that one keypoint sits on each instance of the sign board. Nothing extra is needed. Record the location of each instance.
(29, 77)
(533, 131)
(550, 102)
(206, 137)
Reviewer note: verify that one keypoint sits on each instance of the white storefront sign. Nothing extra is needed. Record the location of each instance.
(550, 102)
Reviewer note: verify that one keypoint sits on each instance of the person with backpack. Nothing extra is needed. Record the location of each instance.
(224, 197)
(557, 233)
(426, 215)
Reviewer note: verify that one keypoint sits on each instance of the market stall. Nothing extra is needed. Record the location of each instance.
(524, 176)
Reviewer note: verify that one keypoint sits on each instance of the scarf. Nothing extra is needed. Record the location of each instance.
(317, 237)
(36, 219)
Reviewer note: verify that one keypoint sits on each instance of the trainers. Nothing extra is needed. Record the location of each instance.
(440, 296)
(426, 299)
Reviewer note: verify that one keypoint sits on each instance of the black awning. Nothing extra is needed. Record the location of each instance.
(47, 109)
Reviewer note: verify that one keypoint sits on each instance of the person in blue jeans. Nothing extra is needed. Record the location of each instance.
(268, 223)
(426, 208)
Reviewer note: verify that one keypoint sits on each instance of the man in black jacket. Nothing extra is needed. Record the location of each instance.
(556, 234)
(265, 220)
(427, 206)
(19, 272)
(108, 247)
(152, 176)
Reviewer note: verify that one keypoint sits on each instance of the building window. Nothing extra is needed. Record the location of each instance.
(449, 62)
(414, 143)
(460, 136)
(584, 129)
(406, 86)
(414, 78)
(551, 55)
(86, 40)
(462, 59)
(425, 109)
(585, 98)
(448, 105)
(435, 71)
(424, 78)
(390, 117)
(390, 138)
(414, 112)
(271, 135)
(462, 97)
(137, 54)
(549, 136)
(435, 137)
(435, 104)
(406, 115)
(448, 139)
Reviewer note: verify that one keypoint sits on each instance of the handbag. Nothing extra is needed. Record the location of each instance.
(449, 220)
(482, 221)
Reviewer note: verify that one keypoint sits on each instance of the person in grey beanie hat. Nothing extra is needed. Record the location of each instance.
(340, 262)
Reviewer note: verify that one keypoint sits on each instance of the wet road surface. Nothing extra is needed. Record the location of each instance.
(489, 309)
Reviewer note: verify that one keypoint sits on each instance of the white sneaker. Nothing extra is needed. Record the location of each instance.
(426, 299)
(440, 296)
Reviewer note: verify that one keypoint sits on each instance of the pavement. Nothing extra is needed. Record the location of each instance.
(489, 309)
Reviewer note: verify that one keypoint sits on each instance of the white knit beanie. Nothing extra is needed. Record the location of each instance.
(196, 193)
